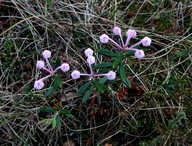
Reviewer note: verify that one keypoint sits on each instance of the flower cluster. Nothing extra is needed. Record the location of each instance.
(91, 60)
(41, 65)
(146, 41)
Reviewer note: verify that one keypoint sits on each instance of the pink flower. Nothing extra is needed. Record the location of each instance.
(46, 54)
(65, 67)
(75, 74)
(88, 52)
(91, 59)
(146, 41)
(131, 33)
(40, 64)
(111, 75)
(104, 38)
(117, 31)
(139, 54)
(39, 84)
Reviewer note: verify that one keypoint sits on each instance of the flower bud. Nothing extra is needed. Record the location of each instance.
(91, 59)
(131, 33)
(117, 31)
(111, 75)
(139, 54)
(40, 64)
(39, 84)
(146, 41)
(75, 74)
(104, 38)
(65, 67)
(46, 54)
(88, 52)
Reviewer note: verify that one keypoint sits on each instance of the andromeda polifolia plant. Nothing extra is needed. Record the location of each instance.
(99, 85)
(123, 50)
(39, 84)
(146, 41)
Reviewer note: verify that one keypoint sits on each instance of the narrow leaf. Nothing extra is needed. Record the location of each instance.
(129, 53)
(103, 65)
(47, 110)
(103, 80)
(117, 61)
(46, 121)
(64, 111)
(87, 94)
(57, 83)
(58, 121)
(99, 86)
(49, 92)
(70, 115)
(107, 53)
(123, 76)
(83, 88)
(54, 123)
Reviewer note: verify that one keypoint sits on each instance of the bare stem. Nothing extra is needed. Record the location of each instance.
(115, 43)
(100, 75)
(90, 67)
(46, 69)
(45, 77)
(49, 64)
(121, 39)
(127, 41)
(82, 74)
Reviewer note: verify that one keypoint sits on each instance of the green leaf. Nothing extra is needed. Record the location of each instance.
(44, 121)
(64, 111)
(103, 65)
(70, 115)
(57, 83)
(87, 94)
(54, 122)
(123, 76)
(107, 53)
(100, 86)
(47, 110)
(49, 92)
(83, 88)
(103, 80)
(58, 121)
(117, 61)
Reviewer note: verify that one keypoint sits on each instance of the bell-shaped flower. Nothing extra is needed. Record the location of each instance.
(65, 67)
(46, 54)
(91, 59)
(131, 33)
(104, 38)
(111, 75)
(40, 64)
(39, 84)
(146, 41)
(117, 31)
(139, 54)
(75, 74)
(88, 52)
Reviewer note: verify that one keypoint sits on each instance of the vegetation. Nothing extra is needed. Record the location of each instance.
(149, 102)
